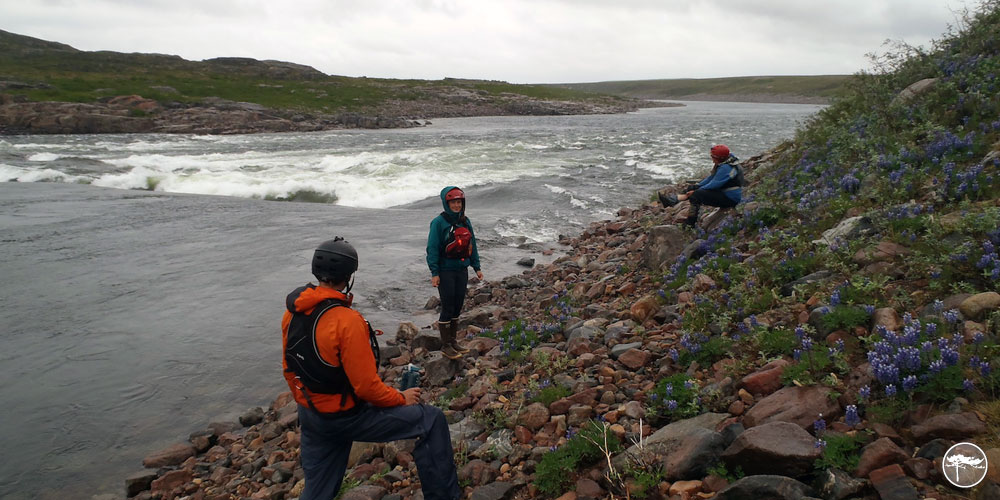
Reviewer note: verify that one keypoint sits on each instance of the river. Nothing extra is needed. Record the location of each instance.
(143, 276)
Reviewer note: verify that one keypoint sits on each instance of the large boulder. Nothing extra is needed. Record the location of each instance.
(663, 246)
(798, 405)
(780, 448)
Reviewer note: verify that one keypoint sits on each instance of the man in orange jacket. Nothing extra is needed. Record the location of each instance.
(331, 366)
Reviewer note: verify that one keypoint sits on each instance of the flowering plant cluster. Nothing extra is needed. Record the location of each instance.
(674, 398)
(517, 339)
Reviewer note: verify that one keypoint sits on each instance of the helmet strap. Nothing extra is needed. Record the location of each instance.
(347, 291)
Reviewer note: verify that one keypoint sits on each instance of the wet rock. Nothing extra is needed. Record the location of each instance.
(432, 303)
(798, 405)
(526, 262)
(426, 340)
(773, 448)
(172, 455)
(878, 454)
(954, 426)
(138, 482)
(170, 480)
(765, 486)
(253, 416)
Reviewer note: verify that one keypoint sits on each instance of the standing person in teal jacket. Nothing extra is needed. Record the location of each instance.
(451, 250)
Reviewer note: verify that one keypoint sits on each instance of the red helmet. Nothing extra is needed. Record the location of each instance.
(720, 152)
(454, 194)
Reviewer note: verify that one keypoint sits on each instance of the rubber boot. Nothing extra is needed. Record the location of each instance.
(447, 339)
(454, 337)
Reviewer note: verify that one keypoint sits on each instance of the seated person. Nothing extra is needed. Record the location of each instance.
(722, 187)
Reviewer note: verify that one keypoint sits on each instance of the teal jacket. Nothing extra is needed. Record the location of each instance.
(440, 227)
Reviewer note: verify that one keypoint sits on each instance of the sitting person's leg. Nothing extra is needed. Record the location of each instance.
(711, 198)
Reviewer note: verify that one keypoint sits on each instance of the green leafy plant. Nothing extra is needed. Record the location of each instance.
(674, 398)
(583, 448)
(842, 451)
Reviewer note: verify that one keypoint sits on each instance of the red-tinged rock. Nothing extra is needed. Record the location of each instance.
(886, 431)
(736, 408)
(172, 455)
(627, 289)
(569, 495)
(919, 468)
(534, 416)
(221, 475)
(172, 479)
(887, 317)
(714, 484)
(522, 434)
(685, 298)
(878, 454)
(635, 358)
(644, 308)
(685, 488)
(773, 448)
(954, 426)
(892, 484)
(702, 283)
(766, 380)
(798, 405)
(589, 488)
(463, 403)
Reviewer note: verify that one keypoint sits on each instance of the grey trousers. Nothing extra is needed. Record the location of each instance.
(327, 439)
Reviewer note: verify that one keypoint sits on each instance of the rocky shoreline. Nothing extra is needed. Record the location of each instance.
(135, 114)
(610, 336)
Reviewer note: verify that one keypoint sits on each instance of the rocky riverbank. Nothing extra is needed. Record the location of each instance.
(563, 393)
(135, 114)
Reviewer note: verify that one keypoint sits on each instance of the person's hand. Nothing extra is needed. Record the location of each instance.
(412, 395)
(479, 274)
(435, 281)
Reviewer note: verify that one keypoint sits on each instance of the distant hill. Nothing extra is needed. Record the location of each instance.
(801, 89)
(292, 96)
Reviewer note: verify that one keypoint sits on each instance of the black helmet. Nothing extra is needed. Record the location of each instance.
(334, 260)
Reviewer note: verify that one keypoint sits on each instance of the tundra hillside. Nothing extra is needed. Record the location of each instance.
(48, 87)
(831, 338)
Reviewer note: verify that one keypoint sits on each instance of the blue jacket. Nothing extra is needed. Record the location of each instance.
(724, 178)
(440, 227)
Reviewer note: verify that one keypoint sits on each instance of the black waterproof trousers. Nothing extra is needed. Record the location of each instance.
(327, 440)
(452, 289)
(711, 198)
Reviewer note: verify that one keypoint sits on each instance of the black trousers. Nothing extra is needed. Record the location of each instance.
(452, 289)
(711, 198)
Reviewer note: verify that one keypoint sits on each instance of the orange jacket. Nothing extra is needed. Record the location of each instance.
(342, 335)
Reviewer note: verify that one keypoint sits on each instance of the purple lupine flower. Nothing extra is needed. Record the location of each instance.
(951, 316)
(821, 444)
(890, 390)
(671, 405)
(674, 355)
(865, 392)
(910, 383)
(851, 417)
(984, 369)
(869, 309)
(968, 386)
(819, 425)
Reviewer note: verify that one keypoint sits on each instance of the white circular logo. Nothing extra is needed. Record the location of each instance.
(964, 465)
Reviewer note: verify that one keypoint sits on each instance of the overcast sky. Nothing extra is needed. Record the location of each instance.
(519, 41)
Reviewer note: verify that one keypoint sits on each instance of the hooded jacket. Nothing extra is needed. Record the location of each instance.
(724, 177)
(438, 235)
(342, 340)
